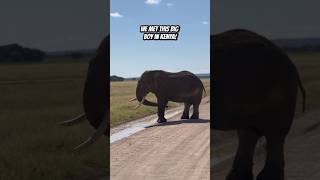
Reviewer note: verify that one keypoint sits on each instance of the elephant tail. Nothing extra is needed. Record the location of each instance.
(303, 91)
(204, 90)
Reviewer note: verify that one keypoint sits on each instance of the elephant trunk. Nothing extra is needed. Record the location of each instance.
(148, 103)
(141, 93)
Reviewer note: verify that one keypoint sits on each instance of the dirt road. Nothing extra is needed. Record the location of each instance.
(178, 149)
(302, 151)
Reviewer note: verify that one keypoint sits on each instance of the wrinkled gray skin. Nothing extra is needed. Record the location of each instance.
(255, 88)
(183, 87)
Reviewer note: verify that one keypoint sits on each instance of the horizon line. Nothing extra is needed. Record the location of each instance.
(139, 76)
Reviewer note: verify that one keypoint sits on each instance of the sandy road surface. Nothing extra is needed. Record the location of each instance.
(180, 149)
(302, 151)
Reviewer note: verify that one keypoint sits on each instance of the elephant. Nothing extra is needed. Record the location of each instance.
(96, 95)
(183, 87)
(255, 86)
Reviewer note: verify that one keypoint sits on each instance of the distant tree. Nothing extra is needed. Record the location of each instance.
(17, 53)
(116, 78)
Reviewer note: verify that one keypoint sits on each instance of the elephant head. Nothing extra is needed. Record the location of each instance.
(95, 95)
(146, 84)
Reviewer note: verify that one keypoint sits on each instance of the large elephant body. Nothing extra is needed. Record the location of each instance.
(255, 88)
(183, 87)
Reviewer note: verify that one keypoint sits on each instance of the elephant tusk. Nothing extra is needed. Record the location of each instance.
(137, 106)
(140, 103)
(133, 99)
(99, 132)
(73, 121)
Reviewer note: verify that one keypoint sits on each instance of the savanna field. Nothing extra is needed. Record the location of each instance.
(34, 98)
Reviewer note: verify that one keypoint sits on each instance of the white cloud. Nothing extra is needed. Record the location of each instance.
(116, 15)
(170, 4)
(153, 2)
(205, 22)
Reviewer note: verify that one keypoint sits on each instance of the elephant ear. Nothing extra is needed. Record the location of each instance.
(155, 82)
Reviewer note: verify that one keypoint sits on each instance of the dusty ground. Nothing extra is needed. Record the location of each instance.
(176, 150)
(302, 151)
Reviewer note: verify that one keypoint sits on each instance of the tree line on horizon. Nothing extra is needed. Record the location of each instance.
(304, 48)
(18, 53)
(15, 53)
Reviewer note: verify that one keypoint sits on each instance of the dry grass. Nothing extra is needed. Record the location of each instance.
(308, 65)
(33, 99)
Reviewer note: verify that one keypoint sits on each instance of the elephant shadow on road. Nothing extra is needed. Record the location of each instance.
(177, 122)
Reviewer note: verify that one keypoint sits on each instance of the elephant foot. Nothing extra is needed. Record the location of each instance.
(239, 176)
(195, 116)
(185, 117)
(161, 120)
(264, 175)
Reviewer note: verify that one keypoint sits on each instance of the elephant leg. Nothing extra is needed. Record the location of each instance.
(243, 162)
(195, 114)
(274, 167)
(185, 114)
(161, 109)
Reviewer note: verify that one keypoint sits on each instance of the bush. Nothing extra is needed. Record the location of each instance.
(116, 78)
(17, 53)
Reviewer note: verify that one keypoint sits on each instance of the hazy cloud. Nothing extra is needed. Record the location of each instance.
(205, 22)
(153, 2)
(170, 4)
(116, 15)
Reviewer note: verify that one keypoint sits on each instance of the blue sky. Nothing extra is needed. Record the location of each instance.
(54, 25)
(272, 18)
(131, 56)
